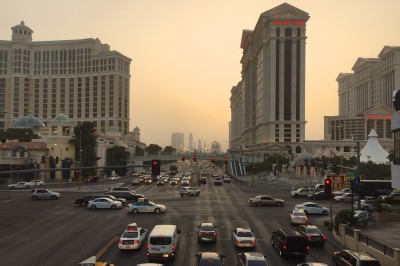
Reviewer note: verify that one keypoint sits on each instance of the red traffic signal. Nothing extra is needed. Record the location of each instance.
(328, 182)
(155, 163)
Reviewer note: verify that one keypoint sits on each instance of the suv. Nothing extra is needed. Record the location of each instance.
(189, 191)
(129, 196)
(251, 258)
(44, 194)
(289, 242)
(356, 258)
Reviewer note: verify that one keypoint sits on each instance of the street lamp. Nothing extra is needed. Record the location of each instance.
(80, 159)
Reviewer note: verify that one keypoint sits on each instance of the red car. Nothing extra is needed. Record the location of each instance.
(92, 179)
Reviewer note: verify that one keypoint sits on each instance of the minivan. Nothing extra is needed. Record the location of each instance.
(289, 242)
(162, 242)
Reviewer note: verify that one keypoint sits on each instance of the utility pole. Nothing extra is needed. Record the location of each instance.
(357, 176)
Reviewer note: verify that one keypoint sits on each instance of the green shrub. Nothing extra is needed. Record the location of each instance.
(344, 217)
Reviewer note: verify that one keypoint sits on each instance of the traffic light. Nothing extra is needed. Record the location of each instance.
(328, 188)
(57, 160)
(194, 158)
(43, 159)
(77, 172)
(183, 158)
(213, 159)
(155, 167)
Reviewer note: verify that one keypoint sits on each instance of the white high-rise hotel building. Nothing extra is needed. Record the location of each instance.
(81, 78)
(267, 105)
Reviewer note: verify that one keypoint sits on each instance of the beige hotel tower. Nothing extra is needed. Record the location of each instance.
(81, 78)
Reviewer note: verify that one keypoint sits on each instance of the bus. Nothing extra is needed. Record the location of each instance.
(374, 188)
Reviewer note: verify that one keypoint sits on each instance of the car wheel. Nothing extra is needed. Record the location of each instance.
(135, 211)
(93, 207)
(295, 196)
(324, 213)
(113, 207)
(157, 210)
(279, 204)
(366, 208)
(258, 204)
(306, 212)
(35, 197)
(53, 197)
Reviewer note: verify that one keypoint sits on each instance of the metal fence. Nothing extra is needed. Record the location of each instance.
(349, 231)
(375, 244)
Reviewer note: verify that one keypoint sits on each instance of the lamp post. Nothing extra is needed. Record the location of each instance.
(80, 159)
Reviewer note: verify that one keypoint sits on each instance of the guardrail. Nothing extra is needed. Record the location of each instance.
(376, 244)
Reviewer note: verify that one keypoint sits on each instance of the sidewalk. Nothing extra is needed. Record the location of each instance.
(384, 232)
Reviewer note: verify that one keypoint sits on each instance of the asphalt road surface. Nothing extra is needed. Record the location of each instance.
(49, 233)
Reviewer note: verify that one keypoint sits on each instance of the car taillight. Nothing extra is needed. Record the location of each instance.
(120, 241)
(148, 246)
(323, 237)
(173, 247)
(253, 241)
(237, 241)
(309, 237)
(136, 241)
(284, 247)
(308, 248)
(199, 233)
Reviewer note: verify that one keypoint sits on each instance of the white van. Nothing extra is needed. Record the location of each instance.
(162, 242)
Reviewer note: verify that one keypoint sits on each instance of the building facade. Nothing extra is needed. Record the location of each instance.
(83, 79)
(268, 103)
(177, 141)
(366, 98)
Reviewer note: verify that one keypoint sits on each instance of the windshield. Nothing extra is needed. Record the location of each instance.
(207, 228)
(314, 231)
(130, 235)
(245, 234)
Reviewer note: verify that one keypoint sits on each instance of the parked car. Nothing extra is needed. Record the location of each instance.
(209, 258)
(37, 194)
(129, 196)
(145, 206)
(266, 200)
(312, 233)
(104, 203)
(132, 238)
(297, 216)
(251, 259)
(312, 208)
(301, 192)
(346, 197)
(92, 179)
(20, 185)
(357, 258)
(218, 180)
(243, 238)
(207, 233)
(189, 191)
(289, 242)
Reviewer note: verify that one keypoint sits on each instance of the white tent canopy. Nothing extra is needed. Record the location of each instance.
(373, 151)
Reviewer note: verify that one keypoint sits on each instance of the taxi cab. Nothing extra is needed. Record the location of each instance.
(132, 238)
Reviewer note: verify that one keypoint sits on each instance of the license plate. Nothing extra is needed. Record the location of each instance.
(155, 249)
(127, 246)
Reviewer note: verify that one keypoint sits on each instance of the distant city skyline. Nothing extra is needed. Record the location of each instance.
(184, 63)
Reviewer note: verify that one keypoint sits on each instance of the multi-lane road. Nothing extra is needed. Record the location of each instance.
(49, 233)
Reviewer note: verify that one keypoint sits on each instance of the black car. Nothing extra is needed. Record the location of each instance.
(207, 232)
(85, 199)
(312, 233)
(129, 196)
(290, 242)
(318, 195)
(209, 259)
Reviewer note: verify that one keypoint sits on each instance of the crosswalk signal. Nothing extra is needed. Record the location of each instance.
(155, 167)
(328, 188)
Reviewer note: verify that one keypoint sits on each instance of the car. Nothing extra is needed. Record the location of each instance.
(129, 196)
(301, 192)
(148, 181)
(312, 264)
(341, 192)
(85, 199)
(226, 179)
(357, 258)
(113, 177)
(243, 238)
(189, 191)
(207, 233)
(145, 206)
(346, 197)
(185, 181)
(20, 185)
(266, 200)
(319, 187)
(132, 238)
(34, 183)
(251, 259)
(121, 189)
(174, 181)
(104, 203)
(37, 194)
(369, 205)
(312, 208)
(135, 182)
(209, 258)
(217, 180)
(318, 195)
(92, 179)
(312, 233)
(203, 180)
(393, 197)
(160, 182)
(297, 216)
(288, 241)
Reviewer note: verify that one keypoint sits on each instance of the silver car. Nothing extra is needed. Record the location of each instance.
(20, 185)
(146, 206)
(44, 194)
(346, 197)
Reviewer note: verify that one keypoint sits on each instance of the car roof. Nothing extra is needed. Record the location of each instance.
(362, 255)
(240, 229)
(210, 255)
(252, 256)
(206, 224)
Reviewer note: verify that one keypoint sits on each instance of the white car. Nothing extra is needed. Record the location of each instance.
(132, 238)
(251, 258)
(346, 197)
(312, 208)
(104, 203)
(368, 205)
(243, 238)
(185, 181)
(301, 192)
(146, 206)
(37, 183)
(113, 177)
(226, 179)
(20, 185)
(341, 192)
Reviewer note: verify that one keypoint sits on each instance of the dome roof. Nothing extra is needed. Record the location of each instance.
(61, 118)
(28, 121)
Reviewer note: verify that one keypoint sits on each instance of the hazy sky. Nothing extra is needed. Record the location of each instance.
(186, 53)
